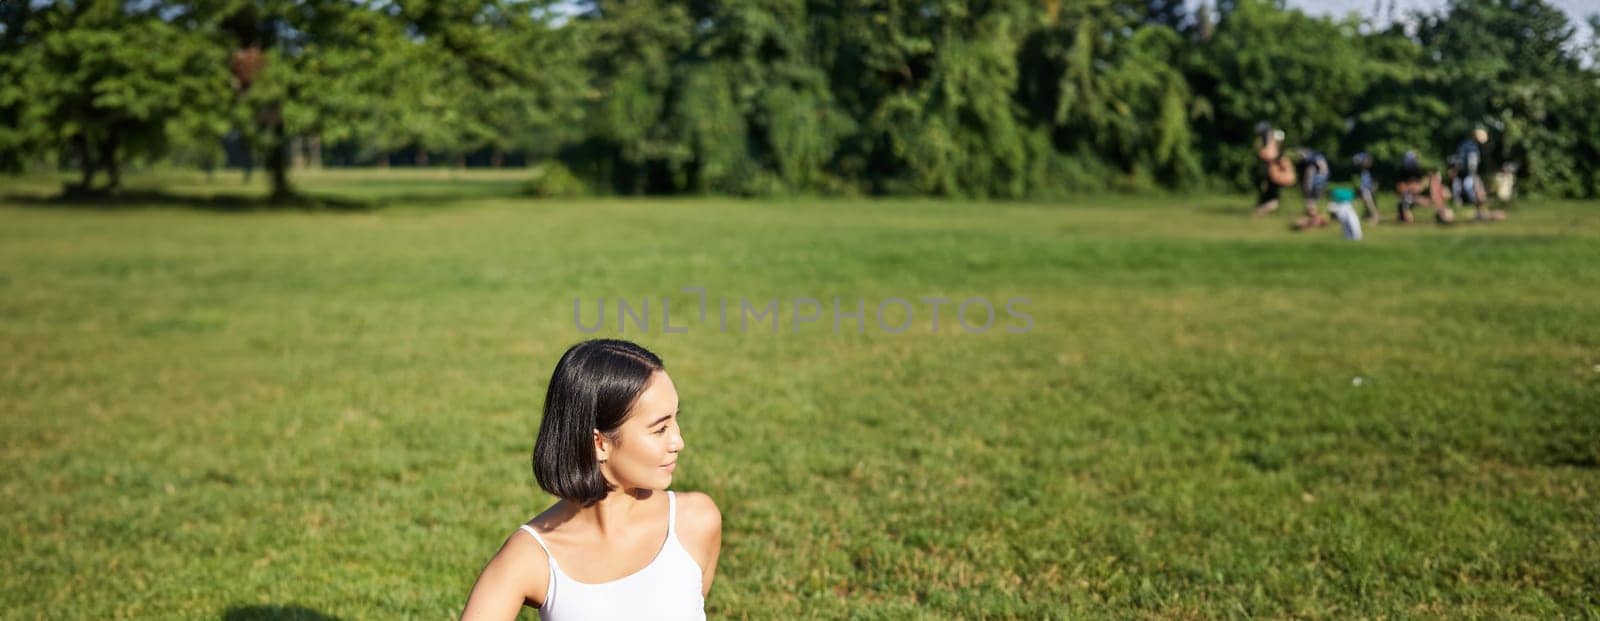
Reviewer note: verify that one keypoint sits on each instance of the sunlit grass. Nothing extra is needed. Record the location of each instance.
(264, 413)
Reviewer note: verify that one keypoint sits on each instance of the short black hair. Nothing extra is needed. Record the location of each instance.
(591, 389)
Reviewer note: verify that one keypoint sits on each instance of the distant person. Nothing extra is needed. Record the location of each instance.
(1345, 213)
(618, 543)
(1315, 184)
(1439, 194)
(1409, 185)
(1468, 186)
(1366, 187)
(1276, 171)
(1504, 182)
(1452, 174)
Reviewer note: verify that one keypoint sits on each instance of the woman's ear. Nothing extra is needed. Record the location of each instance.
(602, 446)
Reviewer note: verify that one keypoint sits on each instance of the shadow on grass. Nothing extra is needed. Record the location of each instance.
(288, 612)
(226, 203)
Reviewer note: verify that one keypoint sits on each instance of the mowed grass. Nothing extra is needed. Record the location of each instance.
(330, 415)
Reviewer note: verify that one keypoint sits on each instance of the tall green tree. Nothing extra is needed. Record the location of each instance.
(631, 47)
(1507, 65)
(1106, 79)
(1401, 108)
(751, 104)
(106, 81)
(1298, 72)
(930, 86)
(19, 142)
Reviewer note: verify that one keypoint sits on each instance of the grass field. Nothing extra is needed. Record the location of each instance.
(319, 414)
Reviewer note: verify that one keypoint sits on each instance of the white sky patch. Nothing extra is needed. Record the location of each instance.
(1379, 11)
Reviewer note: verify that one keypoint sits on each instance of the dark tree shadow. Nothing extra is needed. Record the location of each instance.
(227, 203)
(286, 612)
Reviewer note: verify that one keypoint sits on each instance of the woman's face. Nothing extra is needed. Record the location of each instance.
(645, 453)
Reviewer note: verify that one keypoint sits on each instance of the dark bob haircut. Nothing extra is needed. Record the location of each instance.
(591, 389)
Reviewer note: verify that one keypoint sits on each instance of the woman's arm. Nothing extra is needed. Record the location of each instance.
(1268, 152)
(702, 531)
(518, 573)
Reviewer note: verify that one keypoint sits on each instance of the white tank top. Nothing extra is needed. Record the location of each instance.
(667, 588)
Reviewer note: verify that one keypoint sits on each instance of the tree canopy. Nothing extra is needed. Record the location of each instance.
(758, 97)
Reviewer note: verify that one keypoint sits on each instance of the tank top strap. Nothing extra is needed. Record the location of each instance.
(550, 587)
(540, 541)
(672, 514)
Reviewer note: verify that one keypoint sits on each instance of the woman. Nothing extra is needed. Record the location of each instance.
(1277, 172)
(617, 545)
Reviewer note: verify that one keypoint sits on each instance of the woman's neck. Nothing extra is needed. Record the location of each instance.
(616, 510)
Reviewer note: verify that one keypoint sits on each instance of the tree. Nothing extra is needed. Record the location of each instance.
(1106, 80)
(1299, 73)
(1505, 65)
(1401, 109)
(750, 103)
(108, 81)
(930, 86)
(18, 142)
(629, 51)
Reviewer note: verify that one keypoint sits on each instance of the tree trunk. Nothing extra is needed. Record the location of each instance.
(278, 160)
(297, 152)
(80, 142)
(314, 150)
(497, 159)
(108, 155)
(421, 158)
(383, 159)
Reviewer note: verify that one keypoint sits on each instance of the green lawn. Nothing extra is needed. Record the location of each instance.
(320, 413)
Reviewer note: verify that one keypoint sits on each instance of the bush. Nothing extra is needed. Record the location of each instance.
(553, 180)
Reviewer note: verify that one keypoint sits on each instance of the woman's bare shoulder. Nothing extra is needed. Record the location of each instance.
(699, 514)
(700, 530)
(521, 549)
(520, 570)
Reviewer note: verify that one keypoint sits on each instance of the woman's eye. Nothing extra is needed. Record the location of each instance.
(661, 431)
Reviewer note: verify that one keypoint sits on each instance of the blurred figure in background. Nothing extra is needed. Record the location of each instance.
(1365, 186)
(1468, 186)
(1345, 213)
(1439, 195)
(1409, 185)
(1276, 172)
(1315, 167)
(1504, 182)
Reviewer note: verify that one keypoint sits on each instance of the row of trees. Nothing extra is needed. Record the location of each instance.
(999, 98)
